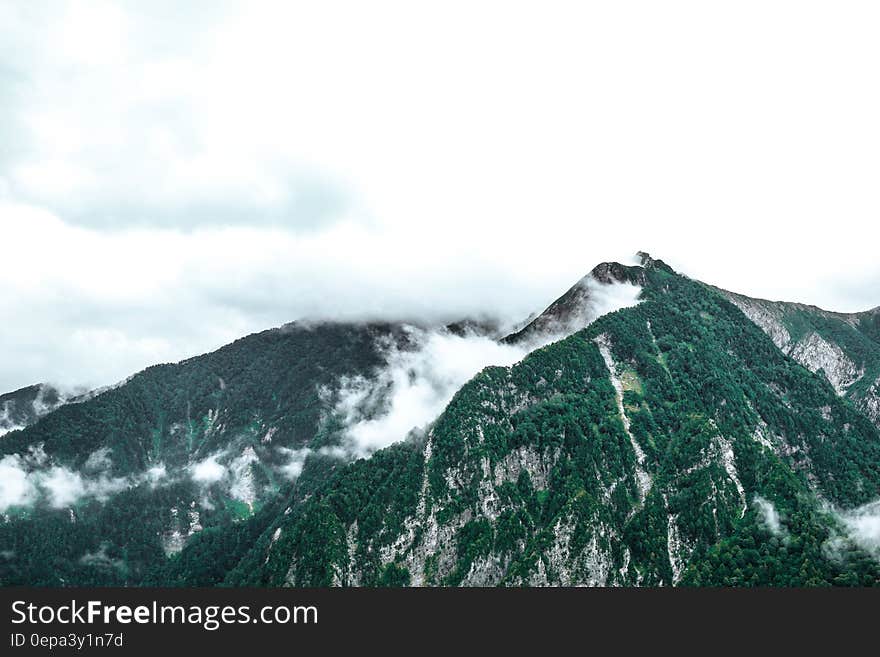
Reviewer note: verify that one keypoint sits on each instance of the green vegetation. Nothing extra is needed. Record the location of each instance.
(701, 384)
(533, 476)
(173, 416)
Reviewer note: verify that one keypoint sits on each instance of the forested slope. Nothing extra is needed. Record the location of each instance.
(662, 438)
(679, 440)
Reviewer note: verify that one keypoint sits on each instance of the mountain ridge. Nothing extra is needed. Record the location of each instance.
(643, 449)
(25, 406)
(470, 523)
(578, 306)
(845, 347)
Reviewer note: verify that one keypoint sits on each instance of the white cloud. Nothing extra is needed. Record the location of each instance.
(156, 473)
(99, 460)
(296, 459)
(63, 486)
(610, 298)
(23, 481)
(36, 456)
(208, 471)
(418, 382)
(175, 176)
(415, 386)
(863, 526)
(770, 516)
(116, 294)
(16, 488)
(586, 301)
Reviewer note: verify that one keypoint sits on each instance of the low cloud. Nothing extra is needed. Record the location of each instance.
(295, 461)
(208, 471)
(418, 383)
(770, 516)
(235, 473)
(100, 559)
(857, 528)
(588, 300)
(156, 474)
(609, 298)
(23, 481)
(16, 487)
(63, 486)
(99, 460)
(415, 386)
(863, 527)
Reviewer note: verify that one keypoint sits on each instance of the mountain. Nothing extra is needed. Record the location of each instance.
(607, 287)
(131, 472)
(25, 406)
(844, 347)
(670, 442)
(667, 440)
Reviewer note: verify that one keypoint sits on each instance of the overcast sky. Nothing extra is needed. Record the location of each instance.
(175, 175)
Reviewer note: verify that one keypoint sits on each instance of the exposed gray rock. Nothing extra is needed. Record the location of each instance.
(819, 355)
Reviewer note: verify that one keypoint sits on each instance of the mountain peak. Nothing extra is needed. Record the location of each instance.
(646, 261)
(608, 273)
(608, 287)
(644, 258)
(615, 272)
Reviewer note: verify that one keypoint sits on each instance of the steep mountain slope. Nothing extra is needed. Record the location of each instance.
(844, 347)
(664, 437)
(23, 407)
(668, 442)
(101, 489)
(609, 286)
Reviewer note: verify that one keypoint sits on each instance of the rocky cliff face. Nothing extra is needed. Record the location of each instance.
(843, 347)
(608, 287)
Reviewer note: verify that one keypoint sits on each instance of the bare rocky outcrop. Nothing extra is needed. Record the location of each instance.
(812, 350)
(643, 478)
(819, 355)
